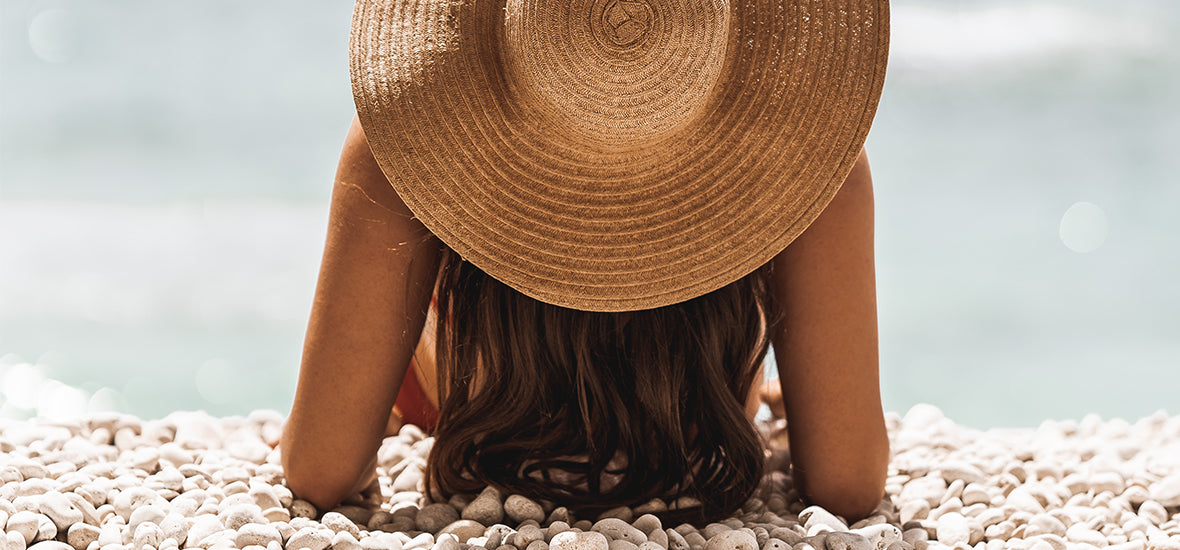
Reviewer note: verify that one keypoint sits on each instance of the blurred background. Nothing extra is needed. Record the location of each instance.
(165, 169)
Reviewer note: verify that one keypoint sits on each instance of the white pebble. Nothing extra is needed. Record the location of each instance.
(80, 535)
(310, 538)
(26, 523)
(254, 533)
(736, 539)
(337, 523)
(817, 515)
(618, 529)
(880, 535)
(570, 540)
(59, 510)
(1166, 491)
(147, 534)
(953, 529)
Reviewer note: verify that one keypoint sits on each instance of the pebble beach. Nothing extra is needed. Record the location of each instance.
(189, 480)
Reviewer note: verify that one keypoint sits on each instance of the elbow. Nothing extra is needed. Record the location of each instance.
(310, 478)
(852, 504)
(853, 492)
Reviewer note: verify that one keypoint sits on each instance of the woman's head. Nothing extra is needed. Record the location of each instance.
(561, 393)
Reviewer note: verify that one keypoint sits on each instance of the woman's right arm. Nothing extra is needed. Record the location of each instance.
(826, 349)
(375, 282)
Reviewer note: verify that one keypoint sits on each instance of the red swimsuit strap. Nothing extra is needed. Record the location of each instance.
(412, 404)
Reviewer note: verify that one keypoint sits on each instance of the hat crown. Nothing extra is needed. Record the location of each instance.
(615, 73)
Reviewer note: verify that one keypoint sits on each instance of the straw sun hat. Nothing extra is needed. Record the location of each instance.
(613, 155)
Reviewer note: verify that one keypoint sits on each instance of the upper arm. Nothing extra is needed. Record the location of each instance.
(826, 348)
(374, 286)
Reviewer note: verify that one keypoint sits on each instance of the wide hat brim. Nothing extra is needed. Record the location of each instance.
(612, 155)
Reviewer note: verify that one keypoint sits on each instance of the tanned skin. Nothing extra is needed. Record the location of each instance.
(374, 288)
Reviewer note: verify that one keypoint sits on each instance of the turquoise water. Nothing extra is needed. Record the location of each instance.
(165, 170)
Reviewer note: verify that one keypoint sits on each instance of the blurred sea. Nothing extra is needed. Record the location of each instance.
(165, 169)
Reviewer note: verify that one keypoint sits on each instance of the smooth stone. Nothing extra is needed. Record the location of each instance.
(713, 529)
(237, 515)
(134, 498)
(423, 540)
(337, 522)
(496, 534)
(303, 509)
(46, 530)
(953, 529)
(358, 515)
(975, 493)
(1107, 481)
(434, 517)
(695, 539)
(618, 529)
(150, 513)
(914, 510)
(51, 545)
(676, 540)
(147, 534)
(310, 538)
(381, 541)
(649, 545)
(537, 545)
(1166, 491)
(12, 540)
(929, 488)
(1044, 524)
(203, 527)
(528, 534)
(59, 510)
(1153, 512)
(958, 470)
(776, 544)
(26, 523)
(486, 508)
(570, 540)
(1080, 533)
(520, 509)
(786, 535)
(258, 534)
(881, 535)
(846, 541)
(647, 523)
(659, 537)
(464, 529)
(80, 535)
(622, 545)
(817, 515)
(735, 539)
(343, 540)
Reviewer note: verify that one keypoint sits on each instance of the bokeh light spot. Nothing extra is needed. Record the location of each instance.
(53, 35)
(1083, 227)
(216, 381)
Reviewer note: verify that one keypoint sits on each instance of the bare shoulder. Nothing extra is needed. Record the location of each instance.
(826, 348)
(360, 183)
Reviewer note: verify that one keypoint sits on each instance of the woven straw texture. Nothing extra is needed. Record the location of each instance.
(613, 155)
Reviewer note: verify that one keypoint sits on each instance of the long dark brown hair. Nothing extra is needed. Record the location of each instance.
(559, 393)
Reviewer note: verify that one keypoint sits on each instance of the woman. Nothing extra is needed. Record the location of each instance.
(581, 393)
